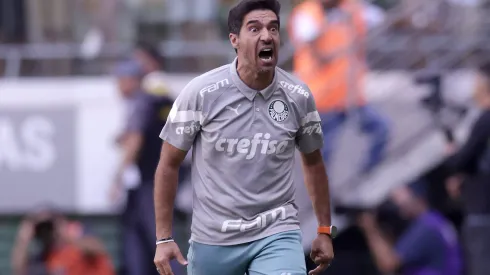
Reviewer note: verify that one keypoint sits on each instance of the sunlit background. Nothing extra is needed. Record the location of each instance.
(61, 112)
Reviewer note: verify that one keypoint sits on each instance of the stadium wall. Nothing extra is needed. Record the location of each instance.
(57, 135)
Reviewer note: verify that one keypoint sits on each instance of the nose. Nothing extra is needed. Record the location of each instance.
(266, 36)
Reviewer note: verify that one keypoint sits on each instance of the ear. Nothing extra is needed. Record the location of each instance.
(234, 40)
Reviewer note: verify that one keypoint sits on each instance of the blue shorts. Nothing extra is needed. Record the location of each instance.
(279, 254)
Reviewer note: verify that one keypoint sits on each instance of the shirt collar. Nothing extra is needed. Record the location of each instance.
(247, 91)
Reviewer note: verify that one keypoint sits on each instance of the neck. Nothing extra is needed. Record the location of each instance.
(254, 79)
(420, 209)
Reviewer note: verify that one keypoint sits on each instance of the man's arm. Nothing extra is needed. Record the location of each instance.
(133, 137)
(466, 158)
(20, 251)
(179, 133)
(131, 145)
(166, 179)
(385, 257)
(316, 182)
(309, 141)
(418, 245)
(387, 260)
(186, 113)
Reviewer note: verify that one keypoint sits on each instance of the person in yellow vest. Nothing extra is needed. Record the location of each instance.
(328, 36)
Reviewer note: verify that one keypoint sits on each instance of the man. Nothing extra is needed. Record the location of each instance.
(470, 168)
(147, 57)
(145, 116)
(428, 246)
(244, 121)
(65, 247)
(329, 39)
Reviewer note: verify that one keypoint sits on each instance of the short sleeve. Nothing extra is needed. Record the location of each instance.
(419, 246)
(305, 29)
(309, 136)
(184, 120)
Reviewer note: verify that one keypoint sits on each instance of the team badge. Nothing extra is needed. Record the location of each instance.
(278, 110)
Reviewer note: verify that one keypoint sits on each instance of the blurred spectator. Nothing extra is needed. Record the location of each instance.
(147, 57)
(151, 62)
(470, 168)
(64, 248)
(429, 245)
(329, 38)
(436, 104)
(141, 145)
(428, 16)
(373, 14)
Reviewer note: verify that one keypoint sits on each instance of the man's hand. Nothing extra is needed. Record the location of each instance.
(451, 148)
(366, 221)
(20, 249)
(385, 256)
(453, 187)
(164, 254)
(26, 231)
(321, 253)
(115, 193)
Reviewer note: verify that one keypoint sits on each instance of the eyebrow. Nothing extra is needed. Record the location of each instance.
(253, 22)
(273, 22)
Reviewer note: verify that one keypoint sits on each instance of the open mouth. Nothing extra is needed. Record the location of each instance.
(266, 54)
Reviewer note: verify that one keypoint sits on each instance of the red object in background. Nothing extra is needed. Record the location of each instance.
(70, 260)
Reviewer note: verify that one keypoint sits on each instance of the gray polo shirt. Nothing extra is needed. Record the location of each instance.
(243, 152)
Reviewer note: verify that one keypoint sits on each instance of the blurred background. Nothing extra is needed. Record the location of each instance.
(70, 69)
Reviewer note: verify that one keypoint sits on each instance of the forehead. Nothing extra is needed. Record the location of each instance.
(262, 16)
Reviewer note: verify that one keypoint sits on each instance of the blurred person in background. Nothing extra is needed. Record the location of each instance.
(470, 178)
(428, 246)
(148, 58)
(151, 63)
(329, 39)
(146, 115)
(64, 247)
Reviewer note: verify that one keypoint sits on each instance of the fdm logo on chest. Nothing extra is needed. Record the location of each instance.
(249, 147)
(261, 221)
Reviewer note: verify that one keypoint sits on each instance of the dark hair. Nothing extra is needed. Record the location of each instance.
(150, 50)
(238, 12)
(419, 188)
(484, 68)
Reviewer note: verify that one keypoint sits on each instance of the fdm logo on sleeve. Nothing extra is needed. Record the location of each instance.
(249, 147)
(261, 221)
